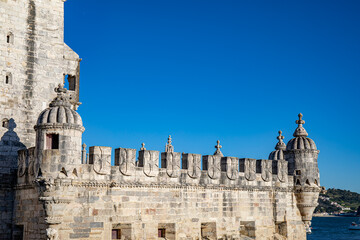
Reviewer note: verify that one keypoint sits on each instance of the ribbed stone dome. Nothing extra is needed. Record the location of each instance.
(301, 141)
(278, 154)
(59, 114)
(59, 111)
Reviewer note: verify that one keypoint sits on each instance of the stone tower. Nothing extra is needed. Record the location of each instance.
(56, 156)
(58, 133)
(33, 60)
(301, 153)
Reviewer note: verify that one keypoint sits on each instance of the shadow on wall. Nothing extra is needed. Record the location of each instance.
(9, 146)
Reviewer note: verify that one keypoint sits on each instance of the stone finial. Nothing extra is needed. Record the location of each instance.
(280, 145)
(218, 151)
(60, 89)
(300, 121)
(300, 130)
(142, 147)
(83, 154)
(61, 98)
(169, 147)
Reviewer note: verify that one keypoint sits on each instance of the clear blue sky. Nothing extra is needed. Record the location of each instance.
(237, 71)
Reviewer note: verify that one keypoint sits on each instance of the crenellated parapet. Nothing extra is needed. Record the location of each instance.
(142, 167)
(59, 163)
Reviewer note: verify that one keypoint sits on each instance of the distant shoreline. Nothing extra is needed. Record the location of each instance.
(323, 215)
(328, 215)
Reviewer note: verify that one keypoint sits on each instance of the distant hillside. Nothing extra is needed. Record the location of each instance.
(337, 200)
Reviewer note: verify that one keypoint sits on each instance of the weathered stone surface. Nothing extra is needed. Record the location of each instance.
(149, 161)
(57, 196)
(125, 159)
(211, 163)
(100, 157)
(230, 165)
(171, 161)
(192, 162)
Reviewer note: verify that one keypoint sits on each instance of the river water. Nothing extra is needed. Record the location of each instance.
(333, 228)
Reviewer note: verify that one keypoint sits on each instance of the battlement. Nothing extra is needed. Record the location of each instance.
(176, 168)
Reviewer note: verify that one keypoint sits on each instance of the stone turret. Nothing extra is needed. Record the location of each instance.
(280, 166)
(301, 153)
(58, 134)
(280, 147)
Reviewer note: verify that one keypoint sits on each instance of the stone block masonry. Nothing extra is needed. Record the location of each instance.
(50, 190)
(33, 60)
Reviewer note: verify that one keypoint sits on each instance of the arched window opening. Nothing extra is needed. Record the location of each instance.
(307, 182)
(10, 38)
(5, 123)
(70, 82)
(8, 78)
(316, 182)
(298, 182)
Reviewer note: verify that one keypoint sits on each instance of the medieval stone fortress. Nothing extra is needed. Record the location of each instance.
(50, 189)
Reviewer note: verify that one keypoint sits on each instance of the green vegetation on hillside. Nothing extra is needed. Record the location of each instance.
(334, 200)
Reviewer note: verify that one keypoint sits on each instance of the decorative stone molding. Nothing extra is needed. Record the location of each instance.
(31, 167)
(53, 220)
(211, 163)
(125, 159)
(250, 169)
(113, 184)
(100, 157)
(52, 234)
(266, 170)
(22, 162)
(149, 160)
(282, 172)
(192, 162)
(45, 185)
(60, 126)
(171, 161)
(301, 153)
(230, 165)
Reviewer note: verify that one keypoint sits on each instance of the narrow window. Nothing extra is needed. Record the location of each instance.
(161, 232)
(298, 182)
(5, 123)
(316, 182)
(116, 234)
(10, 38)
(70, 82)
(8, 78)
(307, 182)
(52, 141)
(121, 231)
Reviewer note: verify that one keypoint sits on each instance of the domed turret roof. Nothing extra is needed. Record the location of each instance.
(278, 154)
(301, 141)
(59, 111)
